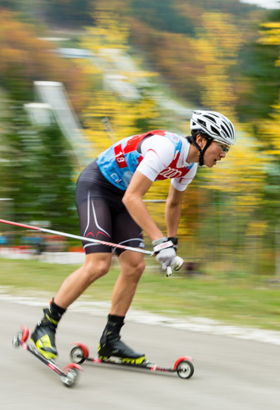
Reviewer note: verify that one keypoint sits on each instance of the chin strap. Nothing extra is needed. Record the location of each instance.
(202, 151)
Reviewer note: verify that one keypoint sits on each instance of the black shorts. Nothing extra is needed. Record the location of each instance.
(102, 214)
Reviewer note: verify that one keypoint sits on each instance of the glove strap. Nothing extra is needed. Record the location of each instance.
(174, 240)
(162, 246)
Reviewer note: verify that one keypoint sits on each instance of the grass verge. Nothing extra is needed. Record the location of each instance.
(243, 301)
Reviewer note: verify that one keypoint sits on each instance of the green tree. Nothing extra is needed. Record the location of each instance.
(164, 15)
(38, 174)
(69, 13)
(260, 72)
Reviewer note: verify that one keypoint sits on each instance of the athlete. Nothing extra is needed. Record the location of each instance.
(109, 199)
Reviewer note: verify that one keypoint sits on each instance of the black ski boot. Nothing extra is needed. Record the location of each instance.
(111, 345)
(43, 336)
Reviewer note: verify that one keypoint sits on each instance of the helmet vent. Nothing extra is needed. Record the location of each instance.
(226, 131)
(231, 128)
(213, 129)
(210, 118)
(203, 123)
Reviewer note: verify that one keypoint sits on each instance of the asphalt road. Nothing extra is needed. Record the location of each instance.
(229, 373)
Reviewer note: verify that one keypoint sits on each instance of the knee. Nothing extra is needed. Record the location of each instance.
(141, 267)
(95, 270)
(135, 269)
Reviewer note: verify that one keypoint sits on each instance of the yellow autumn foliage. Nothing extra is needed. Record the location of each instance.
(217, 57)
(256, 228)
(270, 128)
(242, 173)
(271, 34)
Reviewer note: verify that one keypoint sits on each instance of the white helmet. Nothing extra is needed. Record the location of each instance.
(214, 124)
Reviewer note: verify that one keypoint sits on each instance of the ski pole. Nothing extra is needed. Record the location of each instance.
(178, 264)
(83, 238)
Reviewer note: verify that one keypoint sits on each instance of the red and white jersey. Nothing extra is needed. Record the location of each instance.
(157, 154)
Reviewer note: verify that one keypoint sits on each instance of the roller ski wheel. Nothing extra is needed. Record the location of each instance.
(79, 354)
(185, 369)
(68, 374)
(71, 376)
(183, 366)
(19, 338)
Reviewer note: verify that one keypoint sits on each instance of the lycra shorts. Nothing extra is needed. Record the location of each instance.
(102, 214)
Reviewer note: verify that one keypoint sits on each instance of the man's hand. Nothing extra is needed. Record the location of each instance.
(177, 265)
(165, 252)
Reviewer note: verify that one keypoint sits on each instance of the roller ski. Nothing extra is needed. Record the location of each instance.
(68, 374)
(112, 351)
(183, 366)
(42, 343)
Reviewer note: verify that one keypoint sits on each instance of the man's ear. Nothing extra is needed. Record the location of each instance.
(199, 140)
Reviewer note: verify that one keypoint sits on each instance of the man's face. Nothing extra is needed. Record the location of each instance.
(214, 153)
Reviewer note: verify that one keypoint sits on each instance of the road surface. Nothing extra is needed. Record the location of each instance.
(229, 373)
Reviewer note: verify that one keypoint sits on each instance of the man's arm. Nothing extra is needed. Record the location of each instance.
(133, 201)
(173, 211)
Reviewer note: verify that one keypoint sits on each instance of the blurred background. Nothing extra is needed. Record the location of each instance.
(65, 65)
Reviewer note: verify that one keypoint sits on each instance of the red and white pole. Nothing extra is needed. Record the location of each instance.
(82, 238)
(179, 261)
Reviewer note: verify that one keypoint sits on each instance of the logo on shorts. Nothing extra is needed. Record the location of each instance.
(115, 178)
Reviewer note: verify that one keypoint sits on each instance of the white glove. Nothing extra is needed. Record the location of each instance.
(165, 252)
(179, 262)
(177, 265)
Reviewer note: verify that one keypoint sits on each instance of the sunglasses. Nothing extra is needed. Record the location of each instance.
(224, 148)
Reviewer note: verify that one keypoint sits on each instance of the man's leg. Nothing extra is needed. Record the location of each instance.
(95, 266)
(132, 267)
